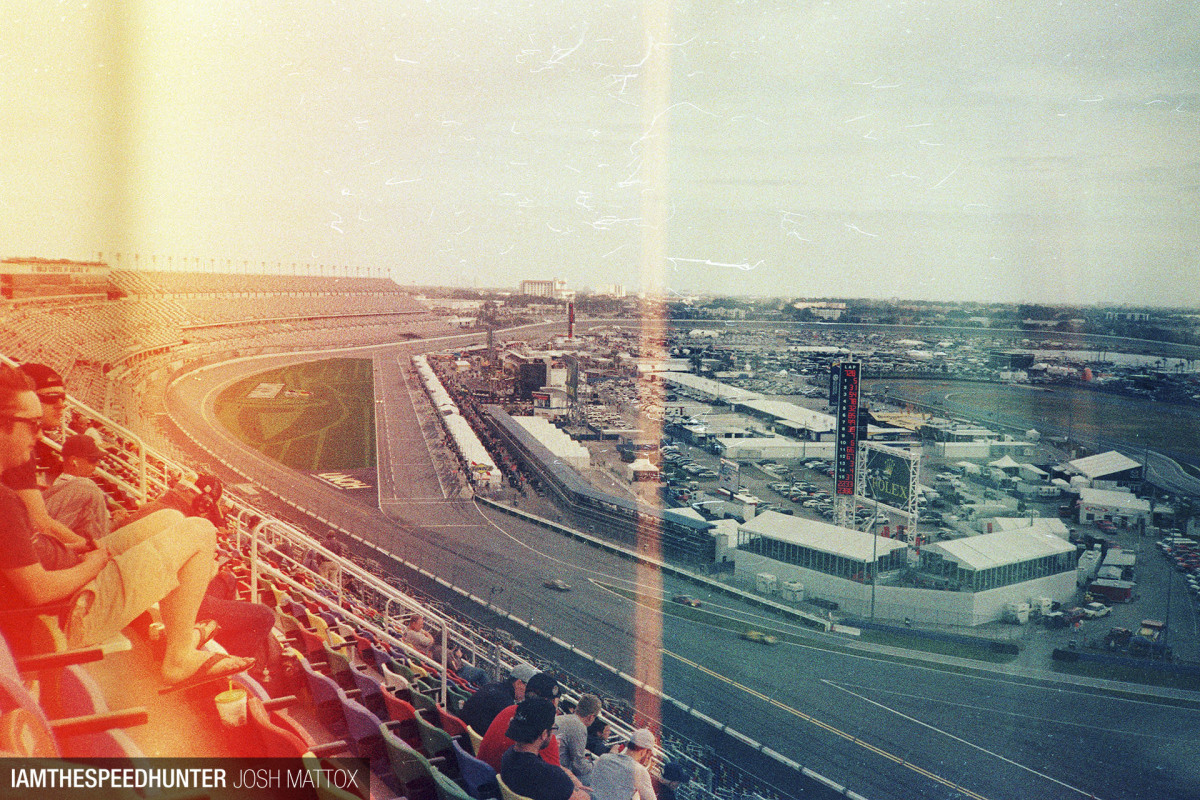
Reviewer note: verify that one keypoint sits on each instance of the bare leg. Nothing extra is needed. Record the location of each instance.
(179, 607)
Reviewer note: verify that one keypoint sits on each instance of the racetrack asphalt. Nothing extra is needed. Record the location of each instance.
(878, 726)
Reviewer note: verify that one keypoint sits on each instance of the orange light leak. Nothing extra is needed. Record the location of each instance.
(656, 124)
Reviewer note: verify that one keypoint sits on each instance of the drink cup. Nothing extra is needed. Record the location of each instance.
(231, 706)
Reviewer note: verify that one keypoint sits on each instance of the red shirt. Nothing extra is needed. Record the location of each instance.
(495, 743)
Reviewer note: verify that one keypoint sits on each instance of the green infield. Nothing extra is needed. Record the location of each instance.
(310, 417)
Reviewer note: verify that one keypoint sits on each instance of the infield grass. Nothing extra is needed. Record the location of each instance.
(309, 417)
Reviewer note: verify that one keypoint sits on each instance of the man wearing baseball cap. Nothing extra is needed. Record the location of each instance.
(74, 499)
(495, 740)
(34, 476)
(522, 769)
(492, 698)
(625, 775)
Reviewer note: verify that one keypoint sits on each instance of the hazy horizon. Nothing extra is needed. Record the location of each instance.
(936, 151)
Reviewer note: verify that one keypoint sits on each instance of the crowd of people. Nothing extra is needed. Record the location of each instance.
(96, 584)
(100, 568)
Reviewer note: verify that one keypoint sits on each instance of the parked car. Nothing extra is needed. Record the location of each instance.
(1096, 610)
(1073, 615)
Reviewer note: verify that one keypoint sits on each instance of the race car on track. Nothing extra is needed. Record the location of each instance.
(760, 637)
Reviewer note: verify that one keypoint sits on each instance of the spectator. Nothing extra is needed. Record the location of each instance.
(328, 568)
(35, 481)
(92, 431)
(416, 636)
(598, 734)
(531, 730)
(244, 628)
(483, 706)
(495, 742)
(573, 733)
(673, 774)
(74, 499)
(108, 587)
(30, 477)
(454, 660)
(624, 775)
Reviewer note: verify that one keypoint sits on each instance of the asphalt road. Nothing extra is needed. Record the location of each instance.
(883, 729)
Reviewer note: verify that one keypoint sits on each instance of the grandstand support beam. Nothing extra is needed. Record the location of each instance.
(254, 534)
(445, 665)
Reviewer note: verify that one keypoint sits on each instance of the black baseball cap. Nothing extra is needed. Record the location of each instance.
(543, 685)
(531, 718)
(83, 447)
(43, 377)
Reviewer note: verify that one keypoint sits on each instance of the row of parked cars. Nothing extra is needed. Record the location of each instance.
(1184, 553)
(673, 456)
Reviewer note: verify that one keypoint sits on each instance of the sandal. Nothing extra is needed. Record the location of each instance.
(216, 667)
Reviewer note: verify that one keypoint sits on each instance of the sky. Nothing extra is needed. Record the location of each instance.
(1010, 152)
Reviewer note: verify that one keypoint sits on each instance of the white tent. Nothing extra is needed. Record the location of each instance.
(1006, 463)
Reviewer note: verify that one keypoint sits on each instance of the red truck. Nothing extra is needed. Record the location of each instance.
(1112, 590)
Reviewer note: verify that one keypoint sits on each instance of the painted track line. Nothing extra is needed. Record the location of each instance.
(825, 726)
(958, 739)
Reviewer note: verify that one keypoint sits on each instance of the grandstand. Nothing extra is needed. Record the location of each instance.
(343, 632)
(114, 345)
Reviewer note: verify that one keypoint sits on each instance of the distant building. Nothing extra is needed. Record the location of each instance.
(1106, 470)
(40, 277)
(822, 310)
(965, 581)
(1123, 509)
(554, 289)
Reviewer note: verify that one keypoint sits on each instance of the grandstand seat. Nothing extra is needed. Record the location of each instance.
(427, 707)
(266, 738)
(456, 698)
(327, 699)
(273, 734)
(323, 788)
(366, 741)
(404, 716)
(311, 644)
(253, 687)
(76, 694)
(452, 724)
(507, 793)
(438, 744)
(448, 789)
(393, 676)
(475, 737)
(340, 668)
(363, 644)
(370, 693)
(376, 657)
(413, 771)
(478, 776)
(26, 730)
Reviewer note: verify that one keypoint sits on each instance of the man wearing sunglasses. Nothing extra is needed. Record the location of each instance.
(164, 558)
(30, 479)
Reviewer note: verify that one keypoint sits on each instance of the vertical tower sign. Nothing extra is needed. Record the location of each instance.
(730, 475)
(570, 320)
(847, 429)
